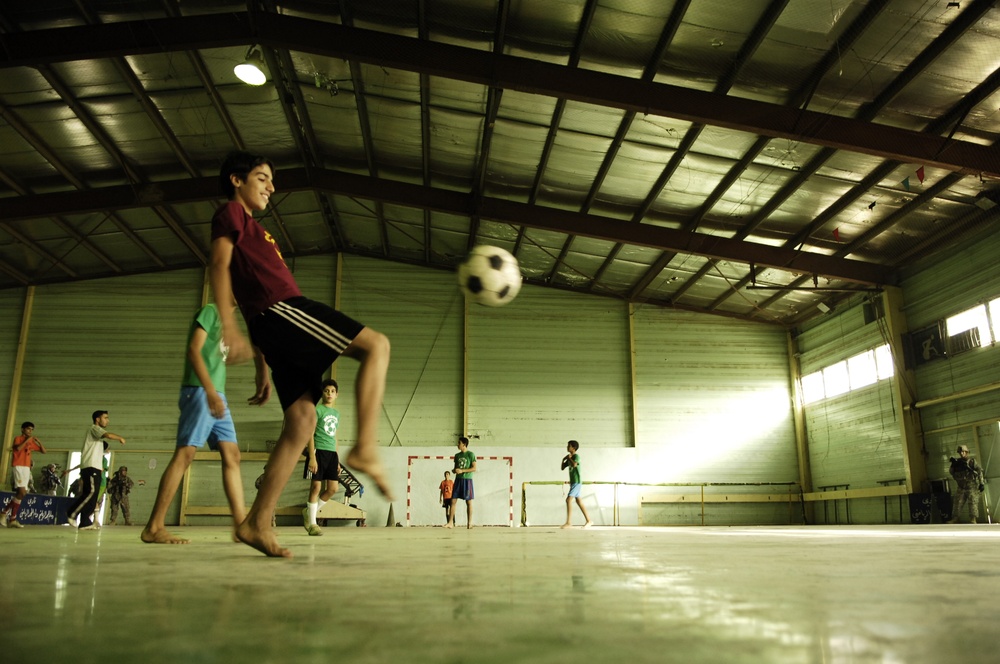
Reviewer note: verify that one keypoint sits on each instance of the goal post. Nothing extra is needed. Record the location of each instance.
(493, 484)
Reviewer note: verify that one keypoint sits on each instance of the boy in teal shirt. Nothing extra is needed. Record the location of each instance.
(572, 461)
(322, 464)
(204, 417)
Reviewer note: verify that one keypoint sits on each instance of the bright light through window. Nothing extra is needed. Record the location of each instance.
(861, 370)
(883, 362)
(836, 380)
(975, 317)
(812, 387)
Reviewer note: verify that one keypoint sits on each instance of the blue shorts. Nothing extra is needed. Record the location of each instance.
(574, 490)
(462, 490)
(197, 425)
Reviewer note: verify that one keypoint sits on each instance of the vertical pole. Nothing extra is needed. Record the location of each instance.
(465, 366)
(15, 384)
(631, 360)
(798, 422)
(904, 396)
(337, 287)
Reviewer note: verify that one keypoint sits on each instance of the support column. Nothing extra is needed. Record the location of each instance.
(15, 386)
(799, 424)
(903, 386)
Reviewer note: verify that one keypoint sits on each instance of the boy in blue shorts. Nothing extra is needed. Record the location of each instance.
(204, 417)
(572, 462)
(296, 337)
(322, 464)
(465, 465)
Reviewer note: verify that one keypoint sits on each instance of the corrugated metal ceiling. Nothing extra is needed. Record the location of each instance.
(747, 158)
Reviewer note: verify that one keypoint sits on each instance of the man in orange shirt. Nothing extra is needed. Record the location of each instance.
(24, 445)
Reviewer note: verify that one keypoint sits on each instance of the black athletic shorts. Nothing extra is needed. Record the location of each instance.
(327, 467)
(300, 339)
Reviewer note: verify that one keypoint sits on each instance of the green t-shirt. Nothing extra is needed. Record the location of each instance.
(213, 352)
(574, 473)
(327, 418)
(464, 460)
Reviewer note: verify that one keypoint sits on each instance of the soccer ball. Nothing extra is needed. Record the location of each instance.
(490, 276)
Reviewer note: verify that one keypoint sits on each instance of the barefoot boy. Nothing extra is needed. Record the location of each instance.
(204, 417)
(572, 461)
(465, 465)
(323, 464)
(297, 337)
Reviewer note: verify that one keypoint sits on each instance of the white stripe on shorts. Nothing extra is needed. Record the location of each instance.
(315, 328)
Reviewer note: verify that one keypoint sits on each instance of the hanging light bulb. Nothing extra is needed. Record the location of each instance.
(251, 70)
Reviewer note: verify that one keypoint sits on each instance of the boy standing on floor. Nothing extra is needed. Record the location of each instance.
(298, 338)
(23, 446)
(91, 470)
(572, 461)
(323, 464)
(446, 487)
(465, 465)
(205, 416)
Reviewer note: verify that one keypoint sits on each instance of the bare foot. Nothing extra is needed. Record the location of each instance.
(372, 467)
(448, 525)
(566, 525)
(469, 526)
(588, 524)
(161, 536)
(262, 540)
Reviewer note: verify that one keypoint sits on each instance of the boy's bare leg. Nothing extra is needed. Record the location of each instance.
(569, 513)
(468, 513)
(232, 483)
(451, 514)
(256, 530)
(155, 531)
(585, 515)
(372, 350)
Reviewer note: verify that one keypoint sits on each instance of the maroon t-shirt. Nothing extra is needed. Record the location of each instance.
(258, 272)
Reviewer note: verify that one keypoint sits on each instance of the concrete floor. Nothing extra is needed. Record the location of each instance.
(376, 594)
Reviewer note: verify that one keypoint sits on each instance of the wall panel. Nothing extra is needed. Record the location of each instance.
(550, 367)
(421, 313)
(714, 399)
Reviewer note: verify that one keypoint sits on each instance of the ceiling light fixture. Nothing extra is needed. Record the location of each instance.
(251, 70)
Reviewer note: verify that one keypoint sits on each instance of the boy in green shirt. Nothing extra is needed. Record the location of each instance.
(204, 416)
(465, 465)
(323, 464)
(572, 461)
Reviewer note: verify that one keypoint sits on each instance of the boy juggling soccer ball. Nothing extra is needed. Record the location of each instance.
(298, 339)
(322, 463)
(572, 461)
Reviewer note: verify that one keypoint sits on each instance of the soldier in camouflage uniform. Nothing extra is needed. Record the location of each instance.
(969, 478)
(119, 488)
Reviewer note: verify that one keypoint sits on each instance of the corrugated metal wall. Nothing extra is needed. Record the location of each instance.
(112, 344)
(714, 399)
(937, 289)
(12, 303)
(421, 312)
(549, 368)
(854, 439)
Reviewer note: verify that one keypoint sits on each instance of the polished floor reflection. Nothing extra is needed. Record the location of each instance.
(773, 594)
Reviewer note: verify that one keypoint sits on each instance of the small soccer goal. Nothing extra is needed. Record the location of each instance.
(493, 483)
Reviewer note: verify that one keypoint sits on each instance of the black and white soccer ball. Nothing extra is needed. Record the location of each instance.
(490, 276)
